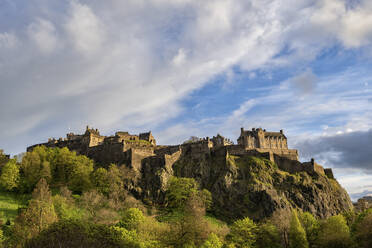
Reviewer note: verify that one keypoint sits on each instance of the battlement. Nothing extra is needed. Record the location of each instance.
(260, 138)
(130, 149)
(221, 141)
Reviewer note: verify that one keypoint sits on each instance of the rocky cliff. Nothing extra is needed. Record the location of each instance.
(241, 185)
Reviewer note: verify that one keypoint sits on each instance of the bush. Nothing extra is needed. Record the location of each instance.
(131, 219)
(212, 242)
(71, 234)
(297, 235)
(9, 178)
(243, 233)
(334, 233)
(179, 190)
(268, 236)
(363, 232)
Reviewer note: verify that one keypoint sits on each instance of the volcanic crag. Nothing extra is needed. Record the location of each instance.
(255, 177)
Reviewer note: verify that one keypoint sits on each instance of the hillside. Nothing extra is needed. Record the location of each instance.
(246, 186)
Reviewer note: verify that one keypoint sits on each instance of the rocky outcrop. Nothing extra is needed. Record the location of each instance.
(243, 185)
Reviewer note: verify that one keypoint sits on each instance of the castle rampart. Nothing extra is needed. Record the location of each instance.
(129, 149)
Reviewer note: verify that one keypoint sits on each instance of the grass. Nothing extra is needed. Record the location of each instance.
(9, 204)
(214, 221)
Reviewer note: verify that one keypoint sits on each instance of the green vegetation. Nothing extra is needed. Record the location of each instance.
(10, 202)
(297, 235)
(90, 207)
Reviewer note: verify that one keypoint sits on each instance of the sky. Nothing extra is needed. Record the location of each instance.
(186, 68)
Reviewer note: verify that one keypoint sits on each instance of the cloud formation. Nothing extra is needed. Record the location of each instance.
(344, 150)
(305, 82)
(129, 64)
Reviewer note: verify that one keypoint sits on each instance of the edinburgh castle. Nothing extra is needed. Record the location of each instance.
(134, 150)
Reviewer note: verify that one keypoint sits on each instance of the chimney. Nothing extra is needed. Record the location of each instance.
(312, 161)
(281, 131)
(242, 129)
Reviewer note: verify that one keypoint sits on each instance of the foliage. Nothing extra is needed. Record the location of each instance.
(79, 180)
(191, 229)
(297, 234)
(131, 219)
(10, 202)
(101, 181)
(243, 233)
(363, 231)
(38, 215)
(212, 242)
(66, 209)
(311, 226)
(58, 166)
(95, 204)
(71, 233)
(334, 233)
(9, 178)
(281, 219)
(192, 139)
(268, 236)
(179, 190)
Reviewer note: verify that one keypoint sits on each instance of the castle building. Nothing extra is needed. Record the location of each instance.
(259, 138)
(219, 141)
(133, 150)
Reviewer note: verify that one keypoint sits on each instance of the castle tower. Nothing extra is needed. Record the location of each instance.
(259, 138)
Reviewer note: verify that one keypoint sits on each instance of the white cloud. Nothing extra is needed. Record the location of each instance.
(127, 75)
(352, 26)
(85, 28)
(43, 33)
(8, 40)
(305, 82)
(180, 58)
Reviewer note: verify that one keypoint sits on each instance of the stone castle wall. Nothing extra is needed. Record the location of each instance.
(132, 150)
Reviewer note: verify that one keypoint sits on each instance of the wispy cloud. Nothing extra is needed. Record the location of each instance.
(118, 64)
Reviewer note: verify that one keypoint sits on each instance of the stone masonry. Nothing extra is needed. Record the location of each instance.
(132, 150)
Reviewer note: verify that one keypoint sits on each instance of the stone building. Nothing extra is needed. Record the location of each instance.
(258, 138)
(148, 137)
(221, 141)
(130, 149)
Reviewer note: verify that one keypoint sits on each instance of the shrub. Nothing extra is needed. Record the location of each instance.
(334, 233)
(243, 233)
(71, 234)
(297, 234)
(131, 219)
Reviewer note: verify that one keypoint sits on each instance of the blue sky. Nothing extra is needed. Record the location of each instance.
(186, 67)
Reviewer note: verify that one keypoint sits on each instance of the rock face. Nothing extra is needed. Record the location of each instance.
(254, 178)
(243, 185)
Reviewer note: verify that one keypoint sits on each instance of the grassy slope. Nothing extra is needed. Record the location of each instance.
(9, 204)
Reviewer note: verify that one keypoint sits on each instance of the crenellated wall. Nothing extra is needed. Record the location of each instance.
(132, 150)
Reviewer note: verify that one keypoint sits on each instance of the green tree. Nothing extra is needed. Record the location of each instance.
(243, 233)
(363, 231)
(297, 234)
(191, 228)
(79, 180)
(268, 236)
(311, 226)
(281, 219)
(9, 178)
(75, 234)
(212, 242)
(132, 219)
(179, 190)
(101, 180)
(39, 214)
(334, 233)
